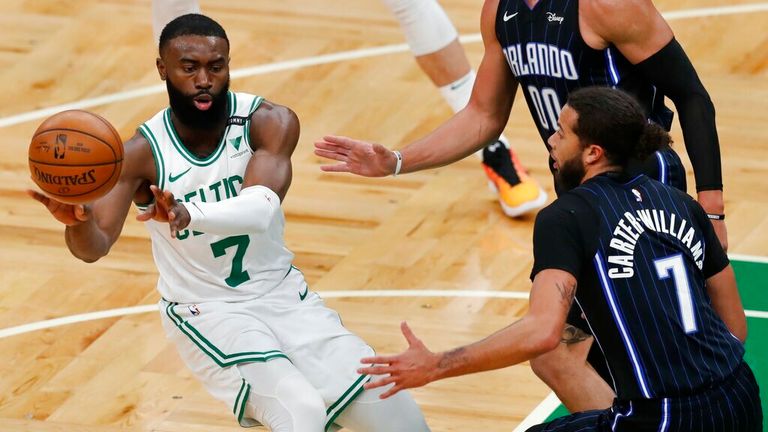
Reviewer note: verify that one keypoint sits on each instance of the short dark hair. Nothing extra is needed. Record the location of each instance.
(191, 24)
(614, 120)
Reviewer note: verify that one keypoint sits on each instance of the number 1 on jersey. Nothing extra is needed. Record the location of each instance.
(219, 248)
(675, 264)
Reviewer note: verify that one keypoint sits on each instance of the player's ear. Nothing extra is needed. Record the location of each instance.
(161, 68)
(592, 154)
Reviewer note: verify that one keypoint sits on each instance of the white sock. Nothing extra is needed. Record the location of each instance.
(458, 92)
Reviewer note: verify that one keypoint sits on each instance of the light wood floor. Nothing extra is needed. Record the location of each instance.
(434, 230)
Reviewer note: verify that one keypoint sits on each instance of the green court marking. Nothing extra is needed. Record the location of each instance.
(752, 278)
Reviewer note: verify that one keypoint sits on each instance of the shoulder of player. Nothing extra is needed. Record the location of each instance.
(137, 151)
(488, 21)
(273, 124)
(569, 206)
(617, 19)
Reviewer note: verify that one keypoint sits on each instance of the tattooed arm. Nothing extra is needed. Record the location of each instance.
(537, 332)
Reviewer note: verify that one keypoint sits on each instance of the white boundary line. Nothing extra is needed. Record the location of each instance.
(325, 59)
(540, 413)
(134, 310)
(748, 258)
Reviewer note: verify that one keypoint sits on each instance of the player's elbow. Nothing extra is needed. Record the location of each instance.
(740, 330)
(546, 339)
(551, 341)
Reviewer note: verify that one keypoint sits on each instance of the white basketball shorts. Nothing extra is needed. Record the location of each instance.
(288, 322)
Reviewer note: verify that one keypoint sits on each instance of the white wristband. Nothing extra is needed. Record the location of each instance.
(250, 212)
(398, 164)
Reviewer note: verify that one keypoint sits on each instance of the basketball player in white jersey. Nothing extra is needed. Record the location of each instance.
(434, 42)
(241, 316)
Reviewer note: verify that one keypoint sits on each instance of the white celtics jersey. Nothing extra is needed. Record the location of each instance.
(195, 266)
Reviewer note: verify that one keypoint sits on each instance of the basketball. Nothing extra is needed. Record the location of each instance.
(75, 156)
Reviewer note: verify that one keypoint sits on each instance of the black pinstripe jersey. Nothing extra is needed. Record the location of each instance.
(641, 252)
(546, 53)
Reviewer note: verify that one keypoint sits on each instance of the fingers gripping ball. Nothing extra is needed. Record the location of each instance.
(75, 156)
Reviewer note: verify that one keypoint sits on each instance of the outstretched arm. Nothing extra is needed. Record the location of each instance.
(642, 35)
(92, 229)
(537, 332)
(469, 130)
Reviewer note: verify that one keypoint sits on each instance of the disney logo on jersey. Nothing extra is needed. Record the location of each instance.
(552, 17)
(541, 59)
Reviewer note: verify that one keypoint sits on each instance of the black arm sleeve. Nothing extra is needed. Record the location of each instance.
(672, 73)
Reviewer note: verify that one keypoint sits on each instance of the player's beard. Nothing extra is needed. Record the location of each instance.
(570, 174)
(186, 112)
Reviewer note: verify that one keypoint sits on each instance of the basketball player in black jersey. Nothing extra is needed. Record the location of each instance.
(550, 48)
(644, 264)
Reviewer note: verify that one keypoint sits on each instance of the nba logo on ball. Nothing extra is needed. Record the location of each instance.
(86, 160)
(61, 146)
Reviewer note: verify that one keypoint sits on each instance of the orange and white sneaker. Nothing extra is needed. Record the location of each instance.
(518, 193)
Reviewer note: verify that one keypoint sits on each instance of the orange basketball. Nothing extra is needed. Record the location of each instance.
(75, 156)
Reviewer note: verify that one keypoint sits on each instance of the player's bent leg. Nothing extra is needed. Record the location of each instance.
(281, 398)
(369, 413)
(566, 371)
(426, 26)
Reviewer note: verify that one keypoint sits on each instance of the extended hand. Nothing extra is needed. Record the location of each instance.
(68, 214)
(357, 157)
(413, 367)
(166, 209)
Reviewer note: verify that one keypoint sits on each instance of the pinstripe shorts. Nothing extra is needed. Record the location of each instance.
(733, 405)
(289, 322)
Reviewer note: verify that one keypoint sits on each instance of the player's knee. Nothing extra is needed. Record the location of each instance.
(548, 365)
(426, 26)
(370, 413)
(303, 402)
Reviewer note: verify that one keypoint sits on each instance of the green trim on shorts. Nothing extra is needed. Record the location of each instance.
(219, 357)
(239, 409)
(342, 402)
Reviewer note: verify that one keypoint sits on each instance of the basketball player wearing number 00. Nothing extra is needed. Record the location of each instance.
(549, 49)
(240, 315)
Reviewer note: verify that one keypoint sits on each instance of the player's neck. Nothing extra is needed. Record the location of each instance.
(201, 142)
(602, 168)
(531, 3)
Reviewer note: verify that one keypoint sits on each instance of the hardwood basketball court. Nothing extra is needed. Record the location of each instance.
(436, 230)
